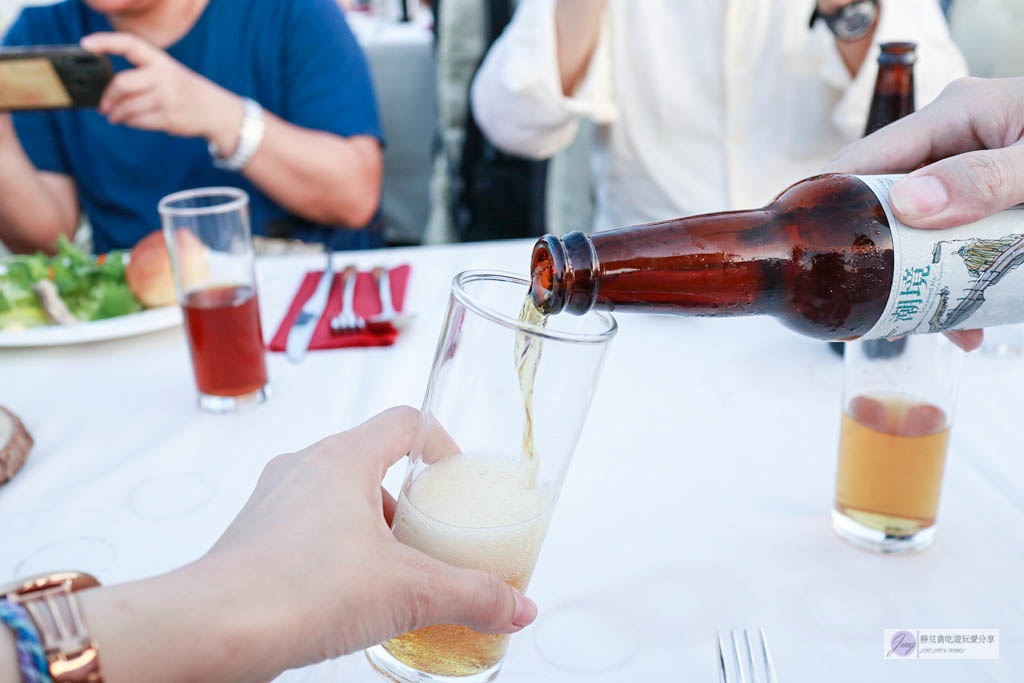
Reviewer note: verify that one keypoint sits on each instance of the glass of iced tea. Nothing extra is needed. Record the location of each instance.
(507, 397)
(898, 406)
(212, 260)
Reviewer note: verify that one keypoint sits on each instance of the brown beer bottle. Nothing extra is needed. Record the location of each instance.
(827, 258)
(893, 99)
(820, 258)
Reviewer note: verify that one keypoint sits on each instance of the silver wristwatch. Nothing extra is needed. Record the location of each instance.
(852, 22)
(250, 137)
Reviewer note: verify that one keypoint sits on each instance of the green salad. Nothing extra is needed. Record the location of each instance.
(92, 288)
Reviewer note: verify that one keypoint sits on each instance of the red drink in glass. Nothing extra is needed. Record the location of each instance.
(226, 340)
(210, 243)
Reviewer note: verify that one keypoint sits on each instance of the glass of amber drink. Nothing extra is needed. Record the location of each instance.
(212, 260)
(506, 401)
(898, 407)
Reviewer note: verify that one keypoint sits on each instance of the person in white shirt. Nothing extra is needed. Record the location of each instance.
(700, 105)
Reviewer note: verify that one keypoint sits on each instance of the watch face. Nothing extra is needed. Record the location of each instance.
(855, 20)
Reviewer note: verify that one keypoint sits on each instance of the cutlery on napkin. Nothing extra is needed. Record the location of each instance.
(366, 302)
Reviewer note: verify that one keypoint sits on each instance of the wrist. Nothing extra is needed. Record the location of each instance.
(224, 120)
(9, 143)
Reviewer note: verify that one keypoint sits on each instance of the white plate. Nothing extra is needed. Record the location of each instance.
(98, 330)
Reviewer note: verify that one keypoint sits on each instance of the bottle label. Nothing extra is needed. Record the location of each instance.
(952, 279)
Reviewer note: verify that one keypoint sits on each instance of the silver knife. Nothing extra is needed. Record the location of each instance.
(305, 324)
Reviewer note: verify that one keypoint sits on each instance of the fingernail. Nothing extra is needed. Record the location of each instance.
(919, 197)
(526, 610)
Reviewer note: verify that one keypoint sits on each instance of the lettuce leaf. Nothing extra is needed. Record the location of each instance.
(113, 300)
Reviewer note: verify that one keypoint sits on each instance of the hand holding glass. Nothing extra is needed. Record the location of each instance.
(489, 460)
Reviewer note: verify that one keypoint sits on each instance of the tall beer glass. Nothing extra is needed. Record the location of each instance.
(504, 408)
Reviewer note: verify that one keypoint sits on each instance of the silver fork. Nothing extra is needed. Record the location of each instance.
(347, 321)
(387, 310)
(740, 657)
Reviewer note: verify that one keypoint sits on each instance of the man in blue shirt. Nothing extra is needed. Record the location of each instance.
(277, 91)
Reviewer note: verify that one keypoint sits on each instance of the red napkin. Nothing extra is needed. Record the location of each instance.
(366, 302)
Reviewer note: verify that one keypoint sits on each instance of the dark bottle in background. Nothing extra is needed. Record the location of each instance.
(893, 99)
(894, 87)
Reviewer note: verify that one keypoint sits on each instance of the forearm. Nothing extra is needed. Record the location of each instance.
(31, 215)
(320, 176)
(191, 625)
(176, 627)
(577, 28)
(518, 96)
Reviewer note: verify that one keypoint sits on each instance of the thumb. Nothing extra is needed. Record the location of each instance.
(961, 189)
(968, 340)
(479, 600)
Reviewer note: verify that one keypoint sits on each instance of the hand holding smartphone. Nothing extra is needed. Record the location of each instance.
(52, 77)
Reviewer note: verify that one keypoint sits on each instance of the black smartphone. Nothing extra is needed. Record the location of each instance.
(51, 77)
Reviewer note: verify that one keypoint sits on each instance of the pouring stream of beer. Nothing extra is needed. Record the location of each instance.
(528, 350)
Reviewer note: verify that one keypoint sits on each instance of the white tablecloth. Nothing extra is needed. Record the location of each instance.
(698, 498)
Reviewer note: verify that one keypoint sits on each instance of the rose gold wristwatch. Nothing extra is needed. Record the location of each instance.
(50, 601)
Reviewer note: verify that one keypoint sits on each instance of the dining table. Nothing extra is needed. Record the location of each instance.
(698, 498)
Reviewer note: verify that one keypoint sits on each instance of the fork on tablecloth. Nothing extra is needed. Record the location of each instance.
(348, 320)
(739, 663)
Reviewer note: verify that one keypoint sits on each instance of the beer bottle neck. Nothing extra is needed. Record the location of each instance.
(894, 88)
(897, 79)
(563, 272)
(713, 264)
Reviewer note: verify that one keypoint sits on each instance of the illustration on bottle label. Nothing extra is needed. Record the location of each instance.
(953, 279)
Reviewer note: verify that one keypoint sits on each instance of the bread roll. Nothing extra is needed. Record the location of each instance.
(15, 444)
(148, 273)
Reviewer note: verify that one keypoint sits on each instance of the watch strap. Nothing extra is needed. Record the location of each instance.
(71, 653)
(31, 657)
(250, 137)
